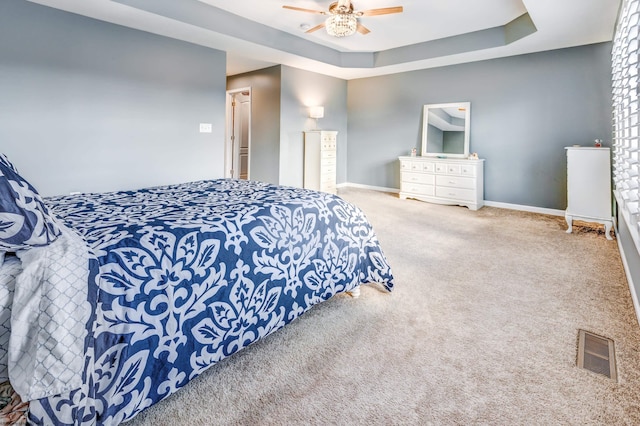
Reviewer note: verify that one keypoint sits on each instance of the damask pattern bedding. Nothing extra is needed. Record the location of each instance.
(183, 276)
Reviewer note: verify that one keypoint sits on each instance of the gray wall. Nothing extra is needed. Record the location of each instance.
(90, 106)
(300, 90)
(265, 121)
(524, 111)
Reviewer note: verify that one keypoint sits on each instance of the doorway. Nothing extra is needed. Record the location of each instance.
(238, 141)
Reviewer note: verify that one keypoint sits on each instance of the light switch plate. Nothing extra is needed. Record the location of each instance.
(205, 128)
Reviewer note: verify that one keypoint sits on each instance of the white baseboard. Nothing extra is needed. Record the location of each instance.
(373, 188)
(627, 272)
(521, 207)
(542, 210)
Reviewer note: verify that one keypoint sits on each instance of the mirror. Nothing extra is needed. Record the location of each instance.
(445, 130)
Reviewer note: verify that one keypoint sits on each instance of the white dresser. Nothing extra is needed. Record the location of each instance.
(589, 186)
(443, 180)
(320, 160)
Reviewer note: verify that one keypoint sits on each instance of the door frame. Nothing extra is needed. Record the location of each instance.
(228, 143)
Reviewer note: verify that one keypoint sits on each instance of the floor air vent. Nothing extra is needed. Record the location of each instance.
(597, 354)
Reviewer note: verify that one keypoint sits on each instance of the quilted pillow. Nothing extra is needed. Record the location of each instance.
(24, 219)
(8, 273)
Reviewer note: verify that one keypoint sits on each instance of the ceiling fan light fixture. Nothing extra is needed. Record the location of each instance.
(341, 25)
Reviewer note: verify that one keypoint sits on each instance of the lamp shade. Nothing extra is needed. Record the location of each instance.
(316, 112)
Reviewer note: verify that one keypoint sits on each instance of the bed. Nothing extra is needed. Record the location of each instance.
(111, 302)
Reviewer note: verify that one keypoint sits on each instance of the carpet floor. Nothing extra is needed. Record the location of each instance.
(482, 328)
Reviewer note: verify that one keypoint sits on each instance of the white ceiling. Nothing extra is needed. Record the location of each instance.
(421, 19)
(260, 33)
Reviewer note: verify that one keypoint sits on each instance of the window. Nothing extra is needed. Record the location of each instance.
(626, 151)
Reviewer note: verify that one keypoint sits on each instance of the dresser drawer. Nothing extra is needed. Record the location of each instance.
(412, 177)
(427, 167)
(468, 170)
(415, 166)
(449, 169)
(329, 187)
(328, 146)
(328, 170)
(440, 168)
(329, 137)
(328, 154)
(417, 188)
(456, 181)
(329, 161)
(331, 184)
(455, 193)
(405, 166)
(454, 169)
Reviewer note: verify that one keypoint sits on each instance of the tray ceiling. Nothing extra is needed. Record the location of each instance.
(429, 33)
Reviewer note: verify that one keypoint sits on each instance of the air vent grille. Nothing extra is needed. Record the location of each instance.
(597, 354)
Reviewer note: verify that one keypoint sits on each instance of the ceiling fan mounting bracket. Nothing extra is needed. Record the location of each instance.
(341, 8)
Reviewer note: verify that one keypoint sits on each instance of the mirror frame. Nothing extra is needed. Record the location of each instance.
(467, 128)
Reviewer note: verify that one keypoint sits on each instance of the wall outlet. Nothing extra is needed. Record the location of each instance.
(205, 128)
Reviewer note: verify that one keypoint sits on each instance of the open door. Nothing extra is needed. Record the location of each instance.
(238, 141)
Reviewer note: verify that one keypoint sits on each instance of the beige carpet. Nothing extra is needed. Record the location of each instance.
(481, 329)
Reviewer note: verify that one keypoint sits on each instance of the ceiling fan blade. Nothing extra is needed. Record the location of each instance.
(316, 28)
(382, 11)
(299, 9)
(362, 29)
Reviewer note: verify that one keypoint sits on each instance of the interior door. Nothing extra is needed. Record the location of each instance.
(244, 112)
(238, 145)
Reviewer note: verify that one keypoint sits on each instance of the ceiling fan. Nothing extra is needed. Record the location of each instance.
(343, 19)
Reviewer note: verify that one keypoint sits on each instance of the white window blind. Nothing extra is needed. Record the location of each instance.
(626, 150)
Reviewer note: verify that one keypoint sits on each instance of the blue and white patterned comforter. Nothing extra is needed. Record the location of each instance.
(183, 276)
